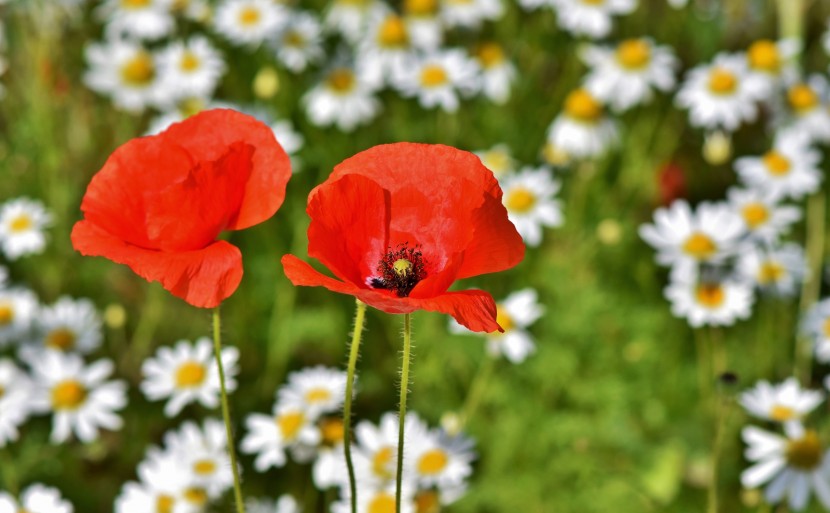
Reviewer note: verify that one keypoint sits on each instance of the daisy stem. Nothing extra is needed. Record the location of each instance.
(354, 350)
(791, 19)
(812, 284)
(226, 410)
(407, 342)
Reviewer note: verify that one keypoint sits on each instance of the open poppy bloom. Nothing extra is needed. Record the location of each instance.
(399, 223)
(160, 202)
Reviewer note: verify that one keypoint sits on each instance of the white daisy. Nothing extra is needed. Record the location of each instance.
(703, 301)
(78, 395)
(190, 69)
(299, 43)
(808, 107)
(497, 72)
(249, 22)
(269, 436)
(771, 61)
(344, 98)
(285, 504)
(22, 222)
(438, 79)
(591, 18)
(386, 49)
(188, 373)
(69, 325)
(764, 218)
(317, 390)
(126, 72)
(374, 499)
(778, 270)
(424, 23)
(441, 460)
(376, 452)
(785, 402)
(789, 169)
(137, 19)
(708, 234)
(793, 466)
(497, 159)
(204, 451)
(166, 484)
(329, 468)
(470, 13)
(626, 76)
(529, 197)
(721, 94)
(18, 308)
(582, 130)
(15, 392)
(351, 17)
(36, 498)
(816, 325)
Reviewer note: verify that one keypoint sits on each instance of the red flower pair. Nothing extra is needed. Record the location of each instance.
(397, 224)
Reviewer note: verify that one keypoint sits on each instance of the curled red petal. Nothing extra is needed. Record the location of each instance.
(202, 277)
(473, 309)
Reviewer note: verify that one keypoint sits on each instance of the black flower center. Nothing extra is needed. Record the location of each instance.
(400, 269)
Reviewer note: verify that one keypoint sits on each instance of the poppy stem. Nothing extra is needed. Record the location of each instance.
(354, 350)
(407, 343)
(226, 411)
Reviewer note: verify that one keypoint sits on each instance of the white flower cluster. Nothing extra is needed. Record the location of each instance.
(36, 498)
(22, 222)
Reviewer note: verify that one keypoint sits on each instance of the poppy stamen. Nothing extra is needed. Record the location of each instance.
(400, 270)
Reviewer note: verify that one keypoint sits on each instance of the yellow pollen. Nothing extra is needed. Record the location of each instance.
(393, 33)
(432, 462)
(21, 223)
(755, 214)
(139, 70)
(420, 7)
(763, 55)
(249, 16)
(581, 106)
(710, 295)
(520, 200)
(6, 313)
(804, 453)
(191, 106)
(433, 76)
(341, 80)
(164, 504)
(503, 318)
(68, 395)
(332, 431)
(593, 2)
(2, 391)
(490, 55)
(402, 266)
(777, 164)
(190, 374)
(427, 502)
(290, 424)
(771, 272)
(317, 395)
(496, 161)
(135, 4)
(382, 503)
(196, 496)
(190, 61)
(780, 413)
(722, 81)
(802, 98)
(634, 53)
(204, 467)
(700, 246)
(826, 327)
(294, 38)
(61, 338)
(381, 463)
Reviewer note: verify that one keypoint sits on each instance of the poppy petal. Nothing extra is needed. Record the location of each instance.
(201, 277)
(205, 136)
(496, 244)
(473, 309)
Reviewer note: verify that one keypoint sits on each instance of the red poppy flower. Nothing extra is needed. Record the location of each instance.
(399, 223)
(160, 202)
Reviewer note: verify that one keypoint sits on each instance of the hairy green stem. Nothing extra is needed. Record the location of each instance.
(226, 410)
(354, 350)
(407, 343)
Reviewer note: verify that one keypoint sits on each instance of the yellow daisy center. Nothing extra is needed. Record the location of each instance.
(164, 504)
(2, 391)
(61, 338)
(331, 431)
(710, 295)
(191, 107)
(6, 313)
(318, 395)
(776, 164)
(581, 106)
(763, 55)
(138, 70)
(804, 453)
(382, 503)
(196, 496)
(771, 272)
(68, 395)
(433, 462)
(135, 4)
(802, 98)
(520, 200)
(490, 55)
(700, 246)
(249, 16)
(420, 7)
(722, 81)
(496, 161)
(21, 223)
(190, 61)
(503, 318)
(381, 462)
(392, 33)
(294, 38)
(433, 76)
(290, 424)
(190, 374)
(634, 53)
(341, 80)
(593, 2)
(826, 327)
(755, 214)
(427, 502)
(780, 413)
(204, 467)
